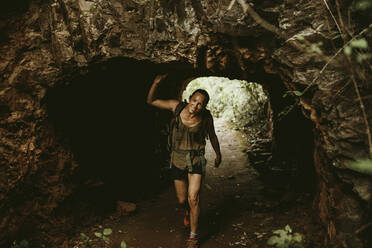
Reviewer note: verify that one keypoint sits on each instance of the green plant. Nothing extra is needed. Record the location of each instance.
(355, 46)
(102, 235)
(285, 239)
(123, 244)
(86, 240)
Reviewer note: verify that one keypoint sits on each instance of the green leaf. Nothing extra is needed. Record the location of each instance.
(106, 239)
(282, 240)
(363, 166)
(347, 50)
(85, 237)
(361, 43)
(300, 37)
(273, 240)
(297, 93)
(336, 36)
(123, 244)
(316, 49)
(107, 231)
(99, 235)
(361, 57)
(288, 228)
(281, 232)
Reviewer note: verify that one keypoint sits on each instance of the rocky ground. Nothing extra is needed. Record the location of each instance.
(238, 210)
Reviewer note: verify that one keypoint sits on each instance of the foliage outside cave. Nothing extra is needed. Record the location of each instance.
(240, 102)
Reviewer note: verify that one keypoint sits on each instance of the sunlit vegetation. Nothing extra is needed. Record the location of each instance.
(240, 102)
(363, 166)
(285, 238)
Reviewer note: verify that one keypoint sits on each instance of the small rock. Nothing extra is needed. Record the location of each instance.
(125, 208)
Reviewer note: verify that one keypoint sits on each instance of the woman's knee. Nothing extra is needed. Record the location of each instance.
(193, 200)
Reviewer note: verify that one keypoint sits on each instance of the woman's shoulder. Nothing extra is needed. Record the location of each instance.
(179, 106)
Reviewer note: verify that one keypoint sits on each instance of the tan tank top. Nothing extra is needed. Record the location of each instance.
(187, 139)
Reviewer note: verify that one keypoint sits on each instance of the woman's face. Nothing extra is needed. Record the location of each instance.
(197, 103)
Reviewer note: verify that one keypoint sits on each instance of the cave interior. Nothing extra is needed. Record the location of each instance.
(119, 141)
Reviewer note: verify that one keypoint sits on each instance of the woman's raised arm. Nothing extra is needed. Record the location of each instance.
(159, 103)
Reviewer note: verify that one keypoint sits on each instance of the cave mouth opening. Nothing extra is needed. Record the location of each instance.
(238, 102)
(103, 118)
(118, 140)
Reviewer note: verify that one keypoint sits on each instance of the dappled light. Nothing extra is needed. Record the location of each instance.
(239, 102)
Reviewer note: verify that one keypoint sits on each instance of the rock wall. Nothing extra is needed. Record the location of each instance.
(45, 44)
(340, 131)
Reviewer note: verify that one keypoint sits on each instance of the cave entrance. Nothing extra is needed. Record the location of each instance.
(102, 116)
(116, 138)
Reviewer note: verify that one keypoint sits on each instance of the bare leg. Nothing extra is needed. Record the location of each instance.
(193, 197)
(181, 191)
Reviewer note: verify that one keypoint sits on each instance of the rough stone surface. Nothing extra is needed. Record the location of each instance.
(48, 42)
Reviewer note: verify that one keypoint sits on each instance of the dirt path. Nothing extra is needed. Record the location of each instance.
(234, 210)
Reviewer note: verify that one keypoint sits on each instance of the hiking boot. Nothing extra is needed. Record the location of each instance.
(192, 243)
(186, 219)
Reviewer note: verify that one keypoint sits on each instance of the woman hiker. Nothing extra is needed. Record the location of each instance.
(192, 125)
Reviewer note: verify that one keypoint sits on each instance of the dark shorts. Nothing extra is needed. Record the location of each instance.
(178, 174)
